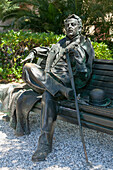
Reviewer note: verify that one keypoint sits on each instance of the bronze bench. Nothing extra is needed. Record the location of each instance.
(93, 117)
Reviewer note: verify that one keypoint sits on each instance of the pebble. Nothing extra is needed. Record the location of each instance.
(67, 153)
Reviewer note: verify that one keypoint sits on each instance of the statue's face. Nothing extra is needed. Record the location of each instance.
(72, 28)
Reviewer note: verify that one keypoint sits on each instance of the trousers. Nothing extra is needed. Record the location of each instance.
(50, 90)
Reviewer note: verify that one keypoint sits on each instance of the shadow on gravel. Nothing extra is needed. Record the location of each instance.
(67, 153)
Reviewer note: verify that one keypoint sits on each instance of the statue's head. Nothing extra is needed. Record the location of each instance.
(73, 26)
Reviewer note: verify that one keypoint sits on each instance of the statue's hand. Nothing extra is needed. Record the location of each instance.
(29, 57)
(69, 51)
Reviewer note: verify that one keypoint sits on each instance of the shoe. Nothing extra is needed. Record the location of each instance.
(44, 148)
(67, 92)
(41, 153)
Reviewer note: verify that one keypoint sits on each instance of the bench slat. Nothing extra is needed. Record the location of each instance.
(99, 84)
(106, 122)
(86, 124)
(102, 78)
(103, 72)
(100, 111)
(101, 61)
(103, 67)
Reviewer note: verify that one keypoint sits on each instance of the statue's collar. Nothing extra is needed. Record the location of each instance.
(75, 39)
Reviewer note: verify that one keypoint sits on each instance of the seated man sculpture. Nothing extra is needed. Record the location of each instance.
(54, 82)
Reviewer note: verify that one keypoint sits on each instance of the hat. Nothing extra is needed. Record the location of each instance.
(97, 97)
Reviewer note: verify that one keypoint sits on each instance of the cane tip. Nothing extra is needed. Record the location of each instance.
(89, 164)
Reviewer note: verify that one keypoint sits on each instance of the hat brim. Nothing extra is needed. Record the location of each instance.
(107, 103)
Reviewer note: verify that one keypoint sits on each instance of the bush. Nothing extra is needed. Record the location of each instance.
(110, 45)
(15, 46)
(102, 51)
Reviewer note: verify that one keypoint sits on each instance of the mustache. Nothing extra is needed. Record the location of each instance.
(69, 29)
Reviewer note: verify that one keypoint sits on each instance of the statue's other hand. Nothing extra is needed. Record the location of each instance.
(69, 50)
(29, 57)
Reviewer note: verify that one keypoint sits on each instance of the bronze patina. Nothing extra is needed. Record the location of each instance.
(53, 83)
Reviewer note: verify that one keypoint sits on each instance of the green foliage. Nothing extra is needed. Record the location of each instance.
(48, 15)
(45, 16)
(110, 45)
(98, 13)
(15, 46)
(1, 70)
(4, 4)
(102, 51)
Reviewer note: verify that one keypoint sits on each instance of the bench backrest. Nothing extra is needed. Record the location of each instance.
(102, 77)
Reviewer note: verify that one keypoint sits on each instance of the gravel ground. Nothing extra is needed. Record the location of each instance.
(67, 153)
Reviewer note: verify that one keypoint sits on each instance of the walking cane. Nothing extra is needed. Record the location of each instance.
(76, 103)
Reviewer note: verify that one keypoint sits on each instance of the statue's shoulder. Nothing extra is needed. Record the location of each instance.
(87, 46)
(56, 47)
(85, 40)
(62, 41)
(59, 43)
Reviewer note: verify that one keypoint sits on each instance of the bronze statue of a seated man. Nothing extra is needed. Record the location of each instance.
(54, 81)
